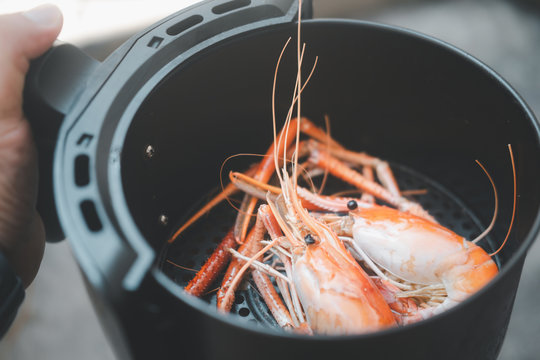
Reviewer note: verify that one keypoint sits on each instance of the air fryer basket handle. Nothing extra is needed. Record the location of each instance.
(56, 79)
(53, 83)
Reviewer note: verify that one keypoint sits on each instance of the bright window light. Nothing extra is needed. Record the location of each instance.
(92, 20)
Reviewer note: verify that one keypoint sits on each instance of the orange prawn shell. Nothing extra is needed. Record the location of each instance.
(337, 295)
(378, 214)
(473, 274)
(461, 265)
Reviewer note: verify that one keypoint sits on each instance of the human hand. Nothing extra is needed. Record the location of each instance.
(23, 36)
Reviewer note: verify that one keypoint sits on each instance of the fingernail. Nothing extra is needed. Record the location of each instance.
(46, 15)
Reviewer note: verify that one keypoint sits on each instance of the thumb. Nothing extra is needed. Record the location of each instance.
(23, 36)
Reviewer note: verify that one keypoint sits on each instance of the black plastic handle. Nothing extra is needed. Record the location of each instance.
(53, 83)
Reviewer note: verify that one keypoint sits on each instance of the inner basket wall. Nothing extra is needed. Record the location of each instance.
(400, 97)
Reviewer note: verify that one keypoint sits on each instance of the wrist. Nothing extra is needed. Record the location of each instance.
(11, 294)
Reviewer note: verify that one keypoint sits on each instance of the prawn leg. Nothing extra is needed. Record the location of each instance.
(309, 128)
(274, 230)
(405, 310)
(272, 300)
(367, 171)
(310, 200)
(233, 276)
(212, 267)
(248, 248)
(264, 172)
(339, 169)
(382, 168)
(264, 285)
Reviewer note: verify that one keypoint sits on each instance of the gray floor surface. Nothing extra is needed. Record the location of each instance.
(57, 320)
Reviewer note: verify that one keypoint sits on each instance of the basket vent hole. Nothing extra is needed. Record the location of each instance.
(90, 215)
(155, 42)
(184, 25)
(230, 6)
(82, 170)
(239, 299)
(244, 312)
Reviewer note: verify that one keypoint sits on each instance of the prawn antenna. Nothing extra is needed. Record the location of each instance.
(276, 147)
(495, 211)
(328, 140)
(514, 202)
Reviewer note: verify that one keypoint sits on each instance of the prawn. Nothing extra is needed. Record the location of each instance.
(337, 295)
(415, 250)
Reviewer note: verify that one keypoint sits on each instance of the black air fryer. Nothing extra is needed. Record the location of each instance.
(129, 147)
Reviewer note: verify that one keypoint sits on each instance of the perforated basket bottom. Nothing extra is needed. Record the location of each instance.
(191, 250)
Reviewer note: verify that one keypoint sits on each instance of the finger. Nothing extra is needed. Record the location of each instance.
(23, 37)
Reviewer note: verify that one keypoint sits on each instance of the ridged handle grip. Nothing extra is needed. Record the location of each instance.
(53, 83)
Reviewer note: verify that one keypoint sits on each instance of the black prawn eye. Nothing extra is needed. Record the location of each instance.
(308, 239)
(352, 204)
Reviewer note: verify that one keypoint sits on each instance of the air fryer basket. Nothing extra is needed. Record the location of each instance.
(429, 110)
(146, 132)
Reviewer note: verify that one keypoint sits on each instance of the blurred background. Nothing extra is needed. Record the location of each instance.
(57, 320)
